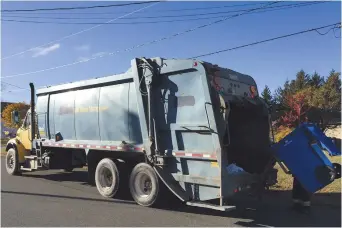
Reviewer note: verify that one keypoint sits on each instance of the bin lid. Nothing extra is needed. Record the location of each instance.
(324, 140)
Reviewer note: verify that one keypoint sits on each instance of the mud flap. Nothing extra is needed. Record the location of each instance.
(302, 153)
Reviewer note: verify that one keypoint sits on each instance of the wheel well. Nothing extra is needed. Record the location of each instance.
(10, 146)
(93, 157)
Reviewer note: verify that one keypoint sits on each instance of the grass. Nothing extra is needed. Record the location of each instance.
(285, 180)
(4, 142)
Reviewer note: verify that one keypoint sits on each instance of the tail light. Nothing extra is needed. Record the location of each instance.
(253, 91)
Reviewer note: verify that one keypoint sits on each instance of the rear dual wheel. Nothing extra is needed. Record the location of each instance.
(145, 186)
(107, 178)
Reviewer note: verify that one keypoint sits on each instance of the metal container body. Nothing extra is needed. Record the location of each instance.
(105, 112)
(189, 128)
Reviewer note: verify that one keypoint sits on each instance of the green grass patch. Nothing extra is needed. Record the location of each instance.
(4, 142)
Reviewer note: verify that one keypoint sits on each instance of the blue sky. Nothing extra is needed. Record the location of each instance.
(269, 63)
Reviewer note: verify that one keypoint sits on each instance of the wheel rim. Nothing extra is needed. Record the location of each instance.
(10, 161)
(143, 185)
(106, 178)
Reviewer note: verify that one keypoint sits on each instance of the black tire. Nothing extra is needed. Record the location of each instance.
(146, 196)
(107, 187)
(12, 163)
(91, 175)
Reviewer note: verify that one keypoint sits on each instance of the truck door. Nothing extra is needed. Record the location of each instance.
(24, 132)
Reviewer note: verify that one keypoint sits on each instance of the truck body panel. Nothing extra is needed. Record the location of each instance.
(110, 114)
(69, 111)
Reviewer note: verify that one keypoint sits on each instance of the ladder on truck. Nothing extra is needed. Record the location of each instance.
(33, 161)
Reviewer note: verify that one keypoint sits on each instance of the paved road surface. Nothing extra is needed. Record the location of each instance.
(53, 198)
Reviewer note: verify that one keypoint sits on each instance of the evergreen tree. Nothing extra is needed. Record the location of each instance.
(316, 80)
(266, 95)
(301, 82)
(328, 96)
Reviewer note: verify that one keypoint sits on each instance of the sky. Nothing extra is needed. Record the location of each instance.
(269, 64)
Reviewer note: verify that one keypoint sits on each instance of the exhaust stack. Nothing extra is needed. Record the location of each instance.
(33, 124)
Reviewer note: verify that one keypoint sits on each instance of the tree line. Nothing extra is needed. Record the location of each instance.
(312, 98)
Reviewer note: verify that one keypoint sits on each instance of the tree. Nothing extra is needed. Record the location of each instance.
(6, 115)
(328, 96)
(302, 81)
(280, 93)
(266, 95)
(316, 80)
(298, 105)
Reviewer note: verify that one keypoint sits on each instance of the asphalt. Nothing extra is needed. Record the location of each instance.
(54, 198)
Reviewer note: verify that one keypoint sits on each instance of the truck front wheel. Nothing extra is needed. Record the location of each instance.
(144, 185)
(12, 163)
(107, 178)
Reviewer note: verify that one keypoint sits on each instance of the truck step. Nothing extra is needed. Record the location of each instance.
(31, 157)
(25, 169)
(211, 206)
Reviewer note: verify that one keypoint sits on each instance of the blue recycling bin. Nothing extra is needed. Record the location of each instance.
(301, 152)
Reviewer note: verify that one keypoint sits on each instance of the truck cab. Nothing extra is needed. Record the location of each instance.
(20, 146)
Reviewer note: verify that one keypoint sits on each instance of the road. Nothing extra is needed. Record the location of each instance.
(54, 198)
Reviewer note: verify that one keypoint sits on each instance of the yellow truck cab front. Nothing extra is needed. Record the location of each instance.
(20, 146)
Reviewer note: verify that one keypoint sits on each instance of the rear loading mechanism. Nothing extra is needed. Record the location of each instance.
(166, 126)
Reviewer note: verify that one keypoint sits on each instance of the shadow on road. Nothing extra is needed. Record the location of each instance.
(66, 197)
(76, 176)
(272, 211)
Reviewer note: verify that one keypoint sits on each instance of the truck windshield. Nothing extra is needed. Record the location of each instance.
(27, 121)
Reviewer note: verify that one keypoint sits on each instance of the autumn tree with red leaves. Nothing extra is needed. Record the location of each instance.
(298, 105)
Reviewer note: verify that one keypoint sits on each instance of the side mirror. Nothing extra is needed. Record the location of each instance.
(15, 117)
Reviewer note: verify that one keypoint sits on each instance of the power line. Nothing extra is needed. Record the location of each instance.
(336, 36)
(161, 21)
(13, 85)
(143, 44)
(163, 16)
(336, 26)
(11, 91)
(267, 40)
(82, 31)
(78, 8)
(167, 10)
(322, 34)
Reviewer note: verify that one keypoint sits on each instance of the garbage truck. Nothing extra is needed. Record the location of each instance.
(182, 126)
